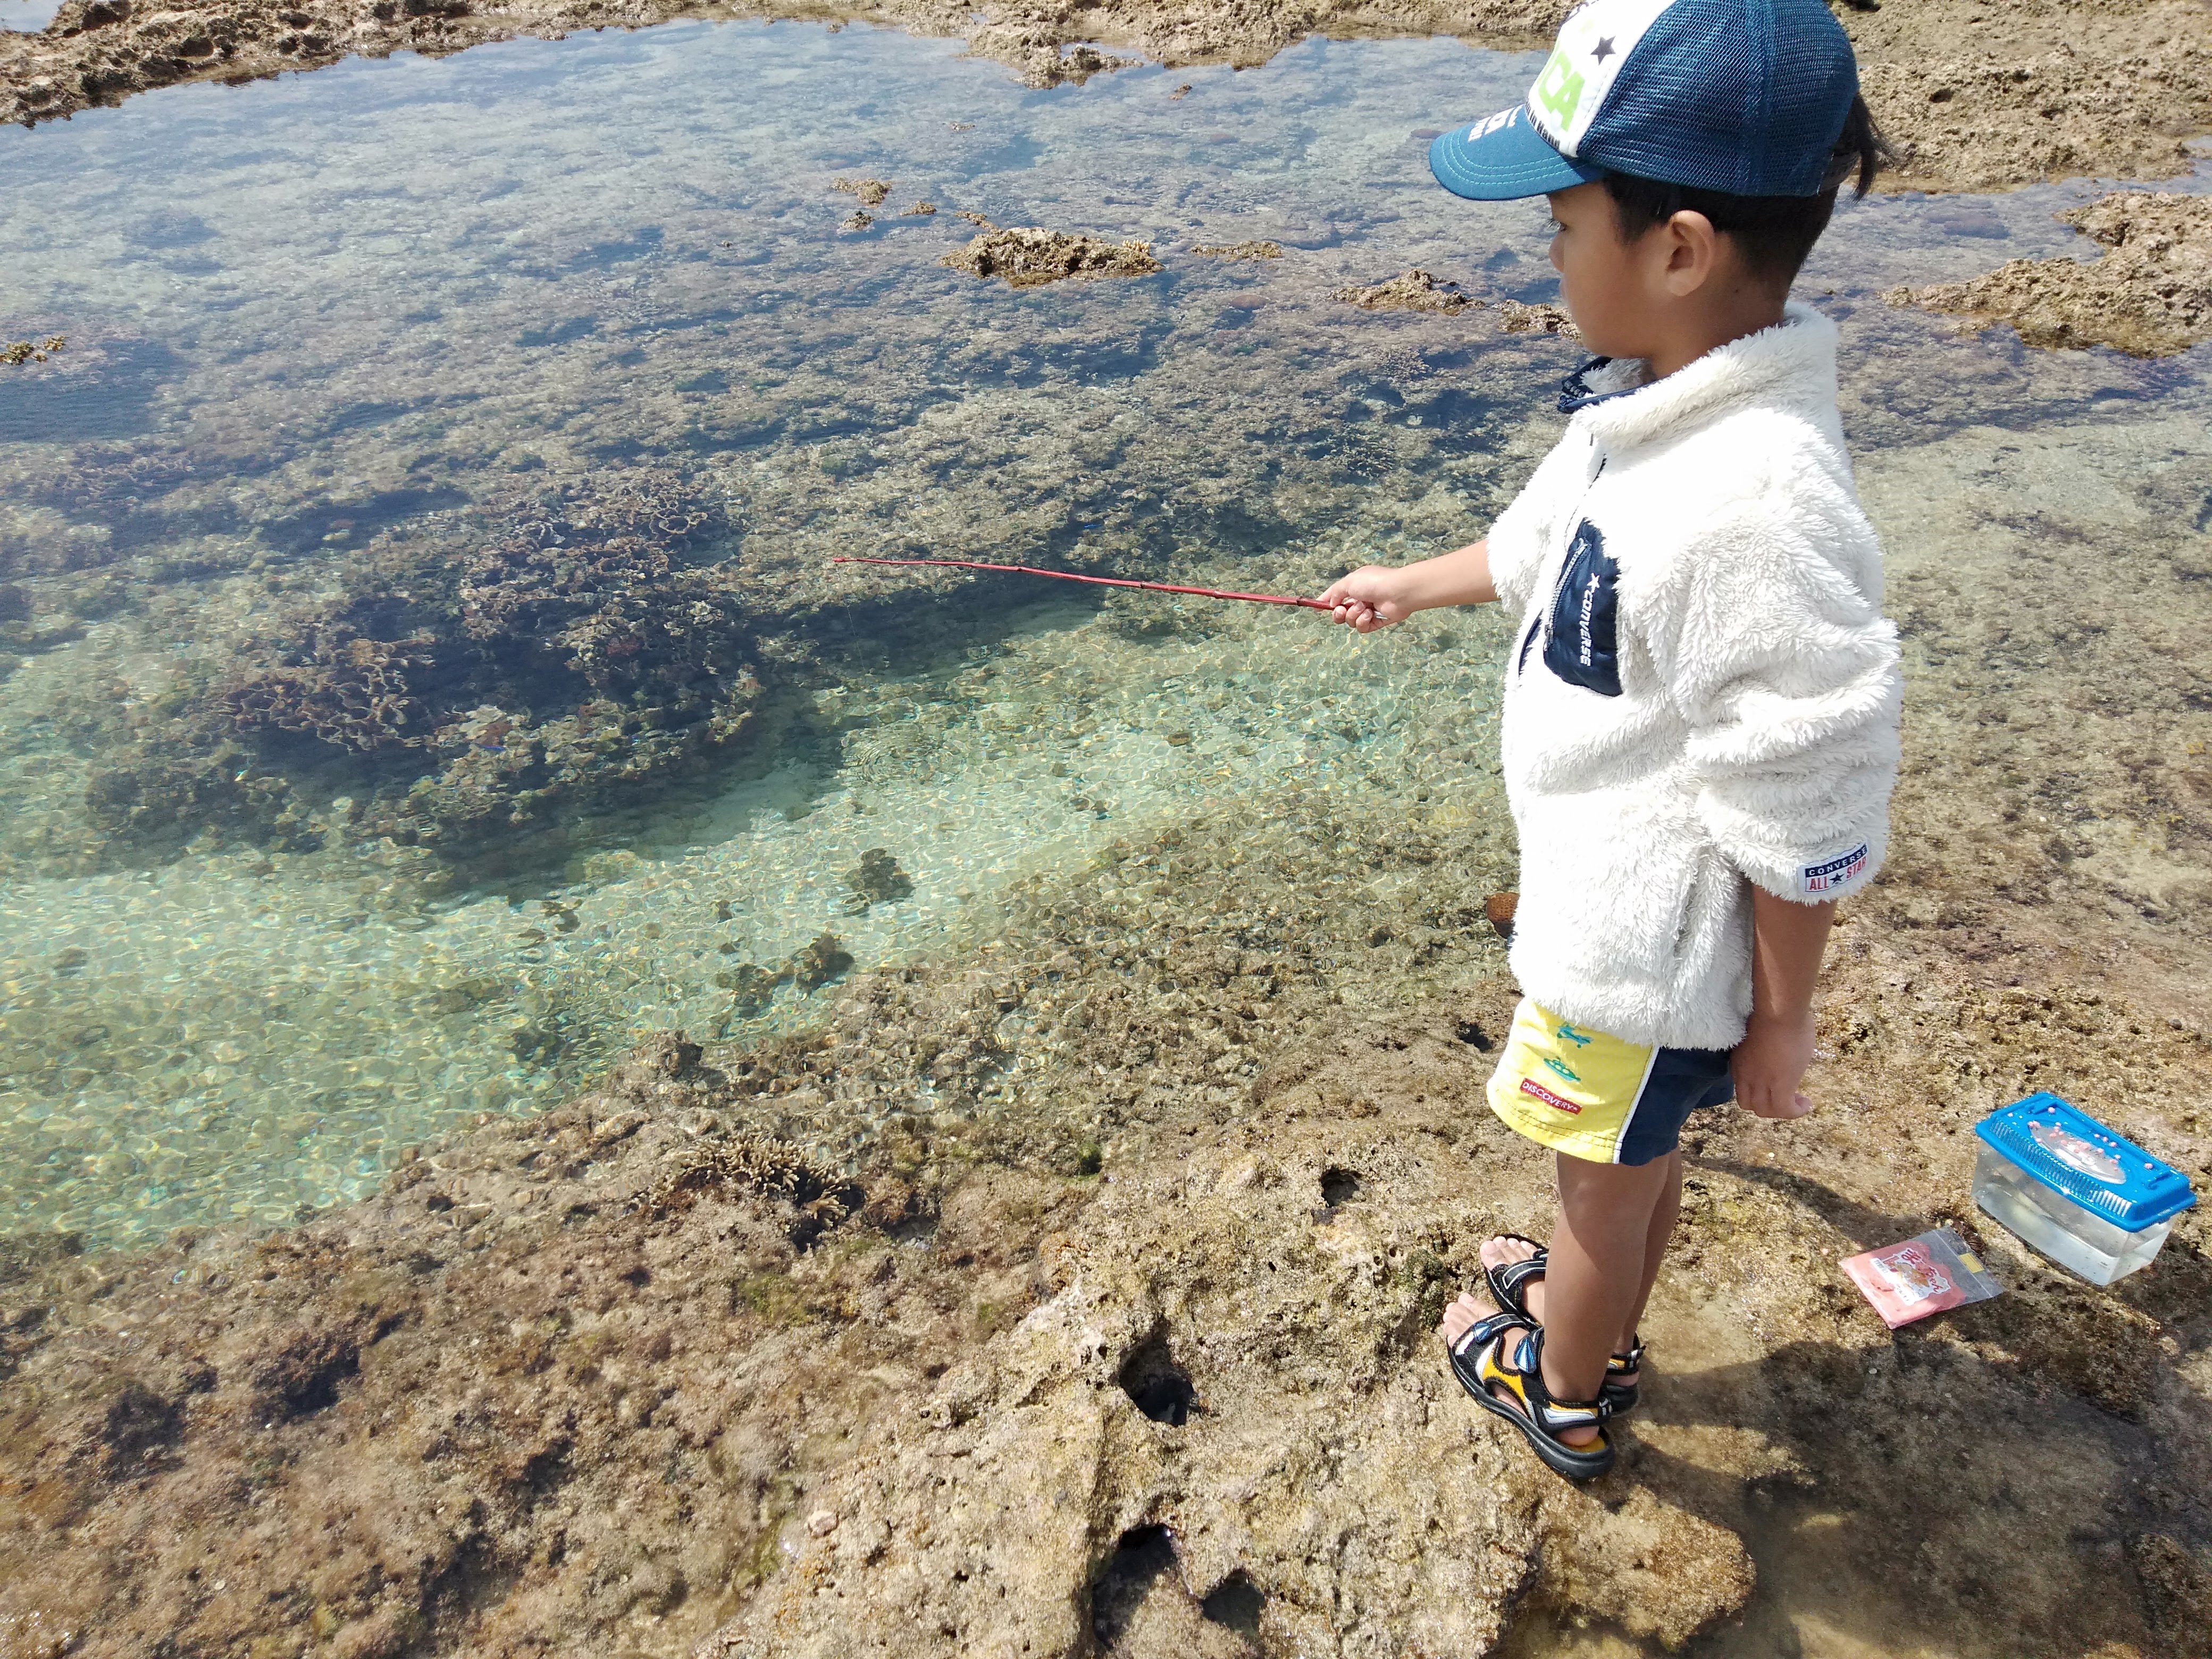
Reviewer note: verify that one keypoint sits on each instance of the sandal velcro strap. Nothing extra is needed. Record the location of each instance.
(1631, 1361)
(1472, 1339)
(1509, 1283)
(1494, 1360)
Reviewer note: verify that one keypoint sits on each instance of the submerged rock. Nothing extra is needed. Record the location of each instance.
(824, 960)
(2150, 295)
(751, 988)
(1028, 255)
(871, 192)
(1240, 251)
(1515, 318)
(877, 879)
(560, 648)
(1412, 290)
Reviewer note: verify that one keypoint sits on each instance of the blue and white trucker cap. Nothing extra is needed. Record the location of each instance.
(1744, 96)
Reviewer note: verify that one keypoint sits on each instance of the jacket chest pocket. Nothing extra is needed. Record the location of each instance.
(1581, 636)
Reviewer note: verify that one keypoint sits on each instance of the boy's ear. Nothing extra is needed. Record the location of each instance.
(1693, 252)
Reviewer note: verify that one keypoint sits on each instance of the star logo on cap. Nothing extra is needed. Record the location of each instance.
(1604, 48)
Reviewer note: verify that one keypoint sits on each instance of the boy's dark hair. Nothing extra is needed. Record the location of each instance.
(1774, 233)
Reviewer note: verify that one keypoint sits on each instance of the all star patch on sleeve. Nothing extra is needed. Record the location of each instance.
(1816, 879)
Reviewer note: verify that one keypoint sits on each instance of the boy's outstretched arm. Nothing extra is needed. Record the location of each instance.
(1377, 594)
(1788, 939)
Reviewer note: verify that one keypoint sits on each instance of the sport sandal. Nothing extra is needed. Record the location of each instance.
(1619, 1398)
(1480, 1359)
(1509, 1286)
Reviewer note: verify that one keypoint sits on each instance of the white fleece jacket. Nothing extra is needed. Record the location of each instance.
(1703, 693)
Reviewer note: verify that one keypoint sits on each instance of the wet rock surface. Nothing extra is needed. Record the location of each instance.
(1028, 255)
(2150, 294)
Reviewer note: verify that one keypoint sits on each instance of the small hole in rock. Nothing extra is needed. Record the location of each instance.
(1338, 1187)
(1235, 1601)
(1157, 1385)
(1144, 1554)
(1472, 1034)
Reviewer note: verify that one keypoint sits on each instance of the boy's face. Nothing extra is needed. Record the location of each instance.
(1609, 285)
(1668, 295)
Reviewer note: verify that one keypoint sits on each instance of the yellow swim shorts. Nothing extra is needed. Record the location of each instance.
(1596, 1097)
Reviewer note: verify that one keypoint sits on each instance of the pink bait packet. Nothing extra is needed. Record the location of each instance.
(1926, 1275)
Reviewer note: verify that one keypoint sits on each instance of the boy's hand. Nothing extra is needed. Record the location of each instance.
(1770, 1063)
(1369, 598)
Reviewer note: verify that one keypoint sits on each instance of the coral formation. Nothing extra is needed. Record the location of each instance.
(343, 690)
(1028, 255)
(2150, 294)
(25, 351)
(572, 651)
(1240, 251)
(1410, 291)
(1515, 318)
(872, 192)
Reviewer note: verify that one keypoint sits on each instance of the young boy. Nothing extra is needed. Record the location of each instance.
(1700, 710)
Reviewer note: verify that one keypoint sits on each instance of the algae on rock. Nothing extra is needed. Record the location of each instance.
(1029, 256)
(2149, 295)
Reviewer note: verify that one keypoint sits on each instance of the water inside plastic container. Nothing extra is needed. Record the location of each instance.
(2069, 1234)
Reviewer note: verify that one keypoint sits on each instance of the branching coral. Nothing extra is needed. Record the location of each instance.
(350, 692)
(594, 574)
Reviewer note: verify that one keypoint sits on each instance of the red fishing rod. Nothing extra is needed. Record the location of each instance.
(1100, 581)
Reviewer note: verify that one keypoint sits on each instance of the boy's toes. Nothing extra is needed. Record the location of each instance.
(1499, 1251)
(1465, 1310)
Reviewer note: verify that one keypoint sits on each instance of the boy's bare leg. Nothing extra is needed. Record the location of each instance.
(1656, 1236)
(1498, 1251)
(1614, 1223)
(1598, 1274)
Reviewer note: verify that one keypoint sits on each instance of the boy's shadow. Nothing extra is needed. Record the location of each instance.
(2023, 1476)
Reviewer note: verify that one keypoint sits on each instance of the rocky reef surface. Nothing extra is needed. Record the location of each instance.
(2150, 294)
(657, 1373)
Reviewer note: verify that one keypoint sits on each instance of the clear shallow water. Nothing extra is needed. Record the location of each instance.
(27, 17)
(310, 316)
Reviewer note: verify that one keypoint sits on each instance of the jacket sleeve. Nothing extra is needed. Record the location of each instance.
(1516, 538)
(1516, 548)
(1788, 676)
